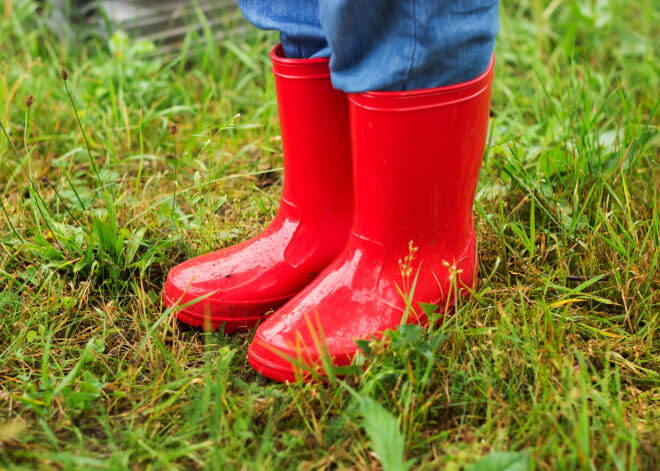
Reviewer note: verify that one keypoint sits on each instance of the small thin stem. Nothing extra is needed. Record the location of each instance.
(173, 130)
(26, 130)
(82, 205)
(175, 182)
(82, 130)
(33, 186)
(43, 216)
(11, 224)
(18, 159)
(46, 180)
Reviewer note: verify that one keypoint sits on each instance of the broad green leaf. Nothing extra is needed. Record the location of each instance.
(383, 430)
(502, 461)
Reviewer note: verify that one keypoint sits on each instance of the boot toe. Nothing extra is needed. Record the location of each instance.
(225, 288)
(282, 356)
(319, 327)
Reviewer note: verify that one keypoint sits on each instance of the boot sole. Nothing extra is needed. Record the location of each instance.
(230, 325)
(270, 370)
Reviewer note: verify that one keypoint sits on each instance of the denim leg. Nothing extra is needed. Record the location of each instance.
(408, 44)
(297, 21)
(385, 45)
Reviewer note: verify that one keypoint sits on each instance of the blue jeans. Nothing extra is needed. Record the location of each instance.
(386, 45)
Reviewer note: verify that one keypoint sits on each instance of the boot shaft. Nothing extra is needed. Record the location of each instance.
(416, 161)
(315, 135)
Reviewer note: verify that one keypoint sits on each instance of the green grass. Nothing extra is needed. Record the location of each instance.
(553, 364)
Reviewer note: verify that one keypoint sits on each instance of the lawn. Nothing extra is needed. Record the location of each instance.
(554, 363)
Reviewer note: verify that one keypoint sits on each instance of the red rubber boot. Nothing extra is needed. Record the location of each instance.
(313, 221)
(416, 161)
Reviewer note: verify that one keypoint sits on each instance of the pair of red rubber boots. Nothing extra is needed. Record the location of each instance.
(375, 218)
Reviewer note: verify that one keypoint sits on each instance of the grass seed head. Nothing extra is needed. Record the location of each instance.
(173, 129)
(64, 74)
(29, 101)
